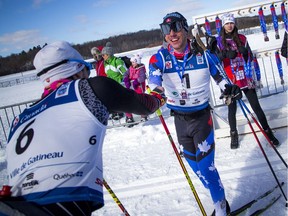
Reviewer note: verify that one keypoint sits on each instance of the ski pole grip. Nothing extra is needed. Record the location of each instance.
(158, 111)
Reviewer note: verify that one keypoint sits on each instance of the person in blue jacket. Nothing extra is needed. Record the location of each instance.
(183, 71)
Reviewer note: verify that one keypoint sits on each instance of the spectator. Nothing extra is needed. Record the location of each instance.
(99, 64)
(235, 53)
(135, 78)
(57, 143)
(114, 68)
(184, 71)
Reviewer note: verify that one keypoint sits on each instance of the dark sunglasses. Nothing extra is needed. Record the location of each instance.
(167, 27)
(87, 65)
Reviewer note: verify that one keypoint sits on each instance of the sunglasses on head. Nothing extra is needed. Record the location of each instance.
(87, 65)
(167, 27)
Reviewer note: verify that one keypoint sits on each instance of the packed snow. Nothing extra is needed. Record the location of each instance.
(142, 169)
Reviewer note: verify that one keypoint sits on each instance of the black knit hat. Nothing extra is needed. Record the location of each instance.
(176, 16)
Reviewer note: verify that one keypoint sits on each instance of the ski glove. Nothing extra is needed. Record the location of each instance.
(127, 82)
(195, 48)
(211, 43)
(221, 55)
(231, 93)
(158, 92)
(244, 52)
(135, 84)
(231, 54)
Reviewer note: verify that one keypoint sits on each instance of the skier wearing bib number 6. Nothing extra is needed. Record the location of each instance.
(54, 150)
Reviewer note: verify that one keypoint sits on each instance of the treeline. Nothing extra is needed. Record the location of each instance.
(23, 61)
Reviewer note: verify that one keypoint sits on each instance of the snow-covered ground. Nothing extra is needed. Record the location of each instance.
(142, 169)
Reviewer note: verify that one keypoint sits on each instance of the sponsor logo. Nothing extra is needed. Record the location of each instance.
(198, 92)
(171, 101)
(98, 182)
(189, 66)
(34, 159)
(67, 175)
(168, 64)
(63, 90)
(199, 59)
(36, 112)
(15, 122)
(175, 94)
(30, 182)
(196, 101)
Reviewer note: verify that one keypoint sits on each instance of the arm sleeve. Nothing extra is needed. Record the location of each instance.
(214, 70)
(155, 71)
(249, 51)
(142, 74)
(121, 67)
(126, 74)
(119, 99)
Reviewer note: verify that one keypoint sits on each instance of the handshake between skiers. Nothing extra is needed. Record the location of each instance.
(158, 92)
(231, 93)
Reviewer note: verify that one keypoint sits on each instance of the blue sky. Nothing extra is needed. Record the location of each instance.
(28, 23)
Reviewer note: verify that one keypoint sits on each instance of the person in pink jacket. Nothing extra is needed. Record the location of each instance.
(135, 78)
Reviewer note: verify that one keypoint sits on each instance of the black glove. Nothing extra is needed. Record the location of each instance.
(231, 93)
(244, 52)
(211, 43)
(195, 48)
(231, 54)
(221, 55)
(158, 92)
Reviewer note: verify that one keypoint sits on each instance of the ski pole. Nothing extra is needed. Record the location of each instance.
(220, 68)
(275, 20)
(279, 66)
(240, 103)
(159, 114)
(261, 147)
(261, 129)
(115, 198)
(218, 24)
(263, 24)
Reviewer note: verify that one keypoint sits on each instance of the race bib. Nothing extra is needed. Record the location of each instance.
(240, 75)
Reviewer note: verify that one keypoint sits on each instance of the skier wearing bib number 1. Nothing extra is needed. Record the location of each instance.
(184, 71)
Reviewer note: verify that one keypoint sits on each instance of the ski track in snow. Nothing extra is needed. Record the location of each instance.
(238, 170)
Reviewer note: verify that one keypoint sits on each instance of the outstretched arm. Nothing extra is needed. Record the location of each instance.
(119, 99)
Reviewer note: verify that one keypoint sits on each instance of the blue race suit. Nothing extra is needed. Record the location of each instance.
(187, 87)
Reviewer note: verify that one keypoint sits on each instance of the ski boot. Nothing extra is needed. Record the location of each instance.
(272, 138)
(234, 140)
(117, 116)
(228, 210)
(144, 119)
(130, 122)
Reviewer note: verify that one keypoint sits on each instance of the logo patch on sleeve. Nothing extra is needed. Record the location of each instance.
(199, 59)
(63, 90)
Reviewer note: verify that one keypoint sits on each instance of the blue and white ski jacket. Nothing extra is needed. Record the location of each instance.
(187, 90)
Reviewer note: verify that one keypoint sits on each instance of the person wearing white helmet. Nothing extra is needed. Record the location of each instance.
(54, 150)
